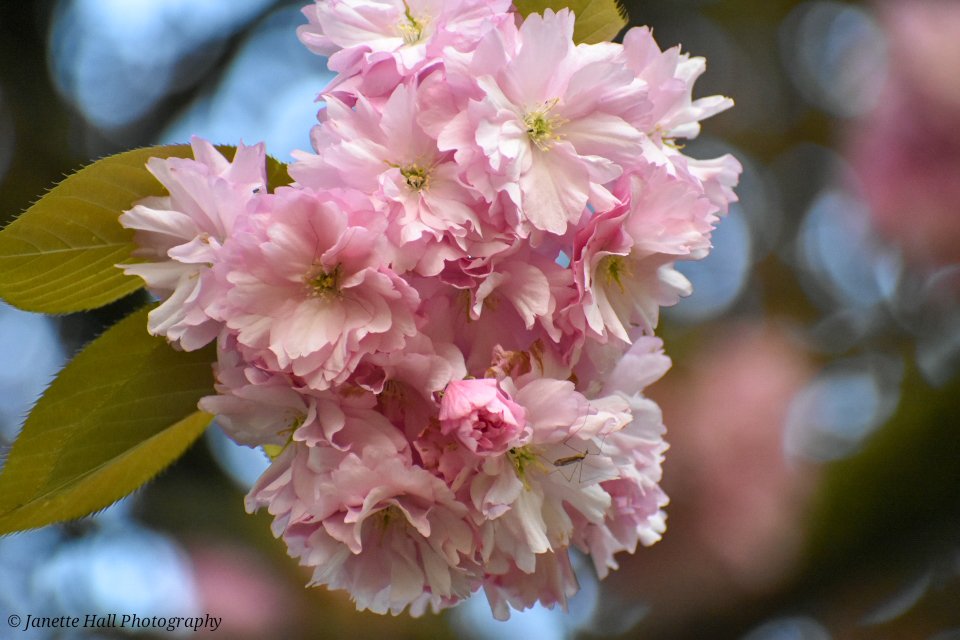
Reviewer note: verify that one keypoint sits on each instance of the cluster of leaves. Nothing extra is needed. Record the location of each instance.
(125, 407)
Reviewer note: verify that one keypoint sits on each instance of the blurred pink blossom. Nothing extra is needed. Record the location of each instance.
(737, 504)
(242, 589)
(906, 153)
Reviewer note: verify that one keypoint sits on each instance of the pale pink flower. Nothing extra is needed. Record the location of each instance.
(623, 257)
(253, 406)
(311, 291)
(483, 418)
(359, 36)
(529, 497)
(385, 153)
(635, 515)
(551, 582)
(514, 284)
(637, 501)
(257, 407)
(718, 177)
(351, 422)
(407, 383)
(389, 533)
(669, 77)
(180, 235)
(450, 317)
(546, 123)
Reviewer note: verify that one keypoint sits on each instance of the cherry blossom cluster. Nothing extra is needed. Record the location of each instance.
(441, 331)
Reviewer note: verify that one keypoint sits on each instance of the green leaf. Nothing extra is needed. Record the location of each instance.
(120, 412)
(277, 175)
(597, 20)
(59, 255)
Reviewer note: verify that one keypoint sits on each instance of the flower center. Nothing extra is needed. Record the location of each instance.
(323, 283)
(387, 517)
(540, 126)
(417, 177)
(614, 268)
(522, 458)
(410, 27)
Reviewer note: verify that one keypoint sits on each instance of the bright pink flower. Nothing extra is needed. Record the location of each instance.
(311, 289)
(181, 235)
(483, 418)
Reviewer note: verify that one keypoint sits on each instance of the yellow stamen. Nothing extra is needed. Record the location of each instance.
(523, 458)
(614, 268)
(411, 28)
(323, 283)
(417, 177)
(540, 126)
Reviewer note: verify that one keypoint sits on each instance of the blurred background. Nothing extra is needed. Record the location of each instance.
(813, 408)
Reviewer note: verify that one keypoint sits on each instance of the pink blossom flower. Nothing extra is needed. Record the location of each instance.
(551, 583)
(545, 124)
(407, 383)
(527, 497)
(389, 533)
(484, 419)
(636, 515)
(906, 151)
(350, 422)
(311, 291)
(181, 235)
(623, 257)
(443, 325)
(637, 501)
(515, 287)
(255, 407)
(397, 36)
(669, 77)
(385, 153)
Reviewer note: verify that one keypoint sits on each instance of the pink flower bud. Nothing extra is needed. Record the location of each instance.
(483, 416)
